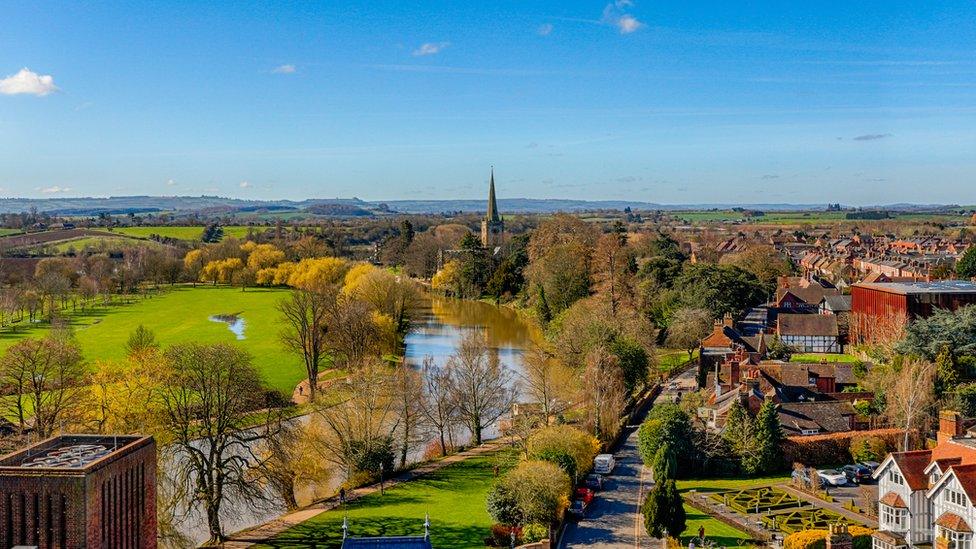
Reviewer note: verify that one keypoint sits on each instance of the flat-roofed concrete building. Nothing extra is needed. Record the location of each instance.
(90, 491)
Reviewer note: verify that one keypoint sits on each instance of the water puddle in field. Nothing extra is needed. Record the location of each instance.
(234, 323)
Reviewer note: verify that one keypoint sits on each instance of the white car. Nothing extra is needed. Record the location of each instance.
(832, 477)
(603, 464)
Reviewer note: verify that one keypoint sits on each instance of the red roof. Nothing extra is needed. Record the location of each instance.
(966, 475)
(953, 522)
(912, 466)
(892, 499)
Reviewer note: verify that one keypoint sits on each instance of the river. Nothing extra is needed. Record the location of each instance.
(437, 328)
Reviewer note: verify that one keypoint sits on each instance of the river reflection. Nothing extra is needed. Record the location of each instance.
(437, 329)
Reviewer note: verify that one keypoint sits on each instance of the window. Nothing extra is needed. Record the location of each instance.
(895, 477)
(957, 540)
(893, 518)
(933, 478)
(954, 497)
(880, 544)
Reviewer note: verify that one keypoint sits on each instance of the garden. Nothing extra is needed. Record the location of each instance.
(809, 518)
(757, 500)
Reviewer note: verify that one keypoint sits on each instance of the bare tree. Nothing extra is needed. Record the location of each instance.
(355, 433)
(408, 398)
(910, 395)
(287, 460)
(353, 333)
(44, 378)
(604, 391)
(482, 388)
(306, 316)
(438, 404)
(208, 390)
(547, 381)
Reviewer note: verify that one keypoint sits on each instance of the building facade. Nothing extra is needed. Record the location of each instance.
(881, 303)
(926, 497)
(90, 491)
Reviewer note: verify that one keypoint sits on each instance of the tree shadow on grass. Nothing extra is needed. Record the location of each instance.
(328, 534)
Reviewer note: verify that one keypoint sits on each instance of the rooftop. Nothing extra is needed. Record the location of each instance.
(70, 452)
(936, 287)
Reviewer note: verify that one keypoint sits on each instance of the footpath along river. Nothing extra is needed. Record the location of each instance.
(437, 330)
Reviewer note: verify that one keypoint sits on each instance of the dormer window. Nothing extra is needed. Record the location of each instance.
(934, 477)
(955, 497)
(895, 477)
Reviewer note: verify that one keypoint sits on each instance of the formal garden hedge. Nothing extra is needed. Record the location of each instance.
(757, 500)
(809, 518)
(835, 448)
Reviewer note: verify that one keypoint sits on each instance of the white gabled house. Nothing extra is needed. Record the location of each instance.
(925, 497)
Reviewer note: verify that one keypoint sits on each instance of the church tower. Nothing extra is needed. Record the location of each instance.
(492, 225)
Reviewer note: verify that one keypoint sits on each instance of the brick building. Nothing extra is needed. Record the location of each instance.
(90, 491)
(872, 303)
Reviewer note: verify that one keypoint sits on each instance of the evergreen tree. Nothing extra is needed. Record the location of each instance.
(946, 376)
(663, 509)
(966, 266)
(740, 433)
(542, 306)
(769, 435)
(665, 464)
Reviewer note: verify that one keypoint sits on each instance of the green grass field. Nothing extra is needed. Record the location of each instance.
(454, 497)
(181, 315)
(7, 232)
(181, 232)
(817, 357)
(107, 243)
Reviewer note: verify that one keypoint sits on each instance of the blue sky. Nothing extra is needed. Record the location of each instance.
(670, 102)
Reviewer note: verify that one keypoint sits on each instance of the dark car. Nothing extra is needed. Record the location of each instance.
(857, 473)
(594, 482)
(872, 465)
(577, 509)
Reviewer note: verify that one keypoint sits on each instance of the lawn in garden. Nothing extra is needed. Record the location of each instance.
(756, 500)
(819, 357)
(183, 314)
(716, 531)
(809, 518)
(454, 497)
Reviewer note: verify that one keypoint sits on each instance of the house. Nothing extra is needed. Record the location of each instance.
(817, 418)
(926, 497)
(809, 333)
(835, 305)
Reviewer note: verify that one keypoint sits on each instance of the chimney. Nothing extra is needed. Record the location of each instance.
(838, 537)
(727, 320)
(950, 425)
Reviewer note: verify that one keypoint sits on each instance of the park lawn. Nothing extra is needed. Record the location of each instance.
(7, 232)
(668, 359)
(100, 243)
(716, 531)
(829, 357)
(454, 497)
(181, 315)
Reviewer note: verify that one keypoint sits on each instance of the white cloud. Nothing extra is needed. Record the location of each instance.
(628, 24)
(27, 82)
(545, 29)
(625, 22)
(284, 69)
(244, 184)
(170, 182)
(430, 48)
(54, 189)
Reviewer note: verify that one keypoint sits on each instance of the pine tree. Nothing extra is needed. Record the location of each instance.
(769, 435)
(946, 376)
(665, 463)
(740, 434)
(663, 509)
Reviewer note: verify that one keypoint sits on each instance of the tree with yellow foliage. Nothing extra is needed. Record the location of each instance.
(448, 279)
(263, 256)
(313, 274)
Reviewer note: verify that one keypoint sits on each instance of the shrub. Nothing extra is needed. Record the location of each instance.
(501, 534)
(868, 448)
(534, 531)
(564, 440)
(560, 458)
(817, 539)
(534, 491)
(832, 448)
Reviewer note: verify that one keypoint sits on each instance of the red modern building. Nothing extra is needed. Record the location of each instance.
(90, 491)
(876, 302)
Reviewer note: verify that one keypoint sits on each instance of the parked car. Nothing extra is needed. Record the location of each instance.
(577, 509)
(594, 482)
(857, 473)
(585, 494)
(832, 477)
(603, 464)
(673, 386)
(872, 465)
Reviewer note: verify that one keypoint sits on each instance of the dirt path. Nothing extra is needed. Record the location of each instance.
(271, 529)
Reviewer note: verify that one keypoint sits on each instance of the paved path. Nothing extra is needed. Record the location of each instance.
(271, 529)
(614, 520)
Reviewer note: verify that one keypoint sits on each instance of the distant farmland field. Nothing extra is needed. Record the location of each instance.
(183, 314)
(181, 232)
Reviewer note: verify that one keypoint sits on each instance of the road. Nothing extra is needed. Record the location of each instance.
(614, 519)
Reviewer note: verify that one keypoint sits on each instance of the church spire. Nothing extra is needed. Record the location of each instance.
(492, 213)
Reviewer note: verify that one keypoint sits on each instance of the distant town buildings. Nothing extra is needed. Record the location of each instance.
(89, 491)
